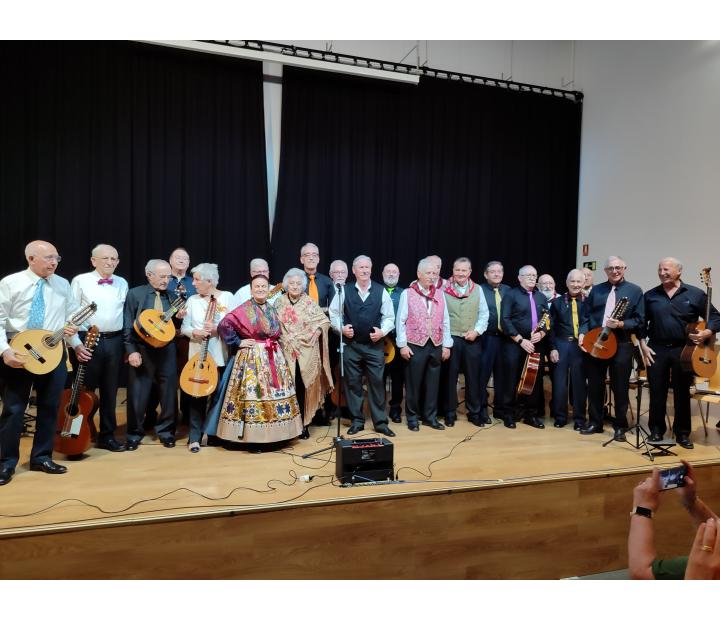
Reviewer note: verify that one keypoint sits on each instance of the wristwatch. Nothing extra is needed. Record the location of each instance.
(642, 511)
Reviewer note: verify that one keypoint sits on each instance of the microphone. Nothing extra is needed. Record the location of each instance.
(339, 285)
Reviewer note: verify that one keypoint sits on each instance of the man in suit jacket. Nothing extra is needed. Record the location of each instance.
(596, 312)
(395, 369)
(149, 365)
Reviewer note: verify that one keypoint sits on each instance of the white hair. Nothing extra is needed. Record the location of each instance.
(207, 271)
(357, 259)
(258, 262)
(423, 264)
(309, 244)
(612, 258)
(153, 264)
(295, 273)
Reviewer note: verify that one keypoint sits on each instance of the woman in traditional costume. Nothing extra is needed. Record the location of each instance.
(304, 341)
(259, 405)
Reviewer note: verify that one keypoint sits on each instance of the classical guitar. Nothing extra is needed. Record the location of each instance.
(388, 349)
(155, 326)
(77, 406)
(199, 377)
(526, 385)
(701, 359)
(601, 342)
(43, 348)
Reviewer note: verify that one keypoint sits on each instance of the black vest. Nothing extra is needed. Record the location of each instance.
(363, 316)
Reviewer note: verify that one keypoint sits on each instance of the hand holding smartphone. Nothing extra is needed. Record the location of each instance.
(673, 477)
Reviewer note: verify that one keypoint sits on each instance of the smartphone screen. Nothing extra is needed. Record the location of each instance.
(673, 477)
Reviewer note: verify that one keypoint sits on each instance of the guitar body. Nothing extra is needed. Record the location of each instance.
(699, 359)
(73, 435)
(153, 329)
(600, 342)
(199, 378)
(529, 374)
(41, 355)
(389, 350)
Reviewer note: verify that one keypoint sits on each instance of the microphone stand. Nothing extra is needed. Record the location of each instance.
(338, 437)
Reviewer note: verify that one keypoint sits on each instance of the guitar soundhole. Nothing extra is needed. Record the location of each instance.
(49, 342)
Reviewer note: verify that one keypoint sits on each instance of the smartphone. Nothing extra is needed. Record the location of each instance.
(673, 477)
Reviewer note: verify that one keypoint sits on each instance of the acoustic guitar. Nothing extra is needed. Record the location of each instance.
(44, 349)
(389, 349)
(77, 406)
(526, 385)
(600, 342)
(701, 359)
(156, 327)
(199, 377)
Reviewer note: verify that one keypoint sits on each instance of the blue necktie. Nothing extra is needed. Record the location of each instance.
(37, 309)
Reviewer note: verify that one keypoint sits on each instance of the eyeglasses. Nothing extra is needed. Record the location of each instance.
(529, 275)
(311, 254)
(53, 257)
(615, 268)
(167, 277)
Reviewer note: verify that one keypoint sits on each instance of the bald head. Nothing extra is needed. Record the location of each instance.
(391, 275)
(42, 258)
(105, 259)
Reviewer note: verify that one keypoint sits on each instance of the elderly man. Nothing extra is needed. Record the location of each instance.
(179, 264)
(108, 291)
(258, 267)
(436, 262)
(395, 369)
(36, 298)
(521, 312)
(546, 285)
(369, 316)
(320, 287)
(338, 272)
(669, 308)
(565, 354)
(596, 312)
(491, 341)
(423, 335)
(149, 365)
(588, 284)
(468, 313)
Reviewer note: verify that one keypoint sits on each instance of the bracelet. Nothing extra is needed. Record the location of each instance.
(642, 512)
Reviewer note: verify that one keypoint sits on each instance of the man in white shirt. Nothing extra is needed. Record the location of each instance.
(258, 267)
(108, 291)
(368, 318)
(33, 299)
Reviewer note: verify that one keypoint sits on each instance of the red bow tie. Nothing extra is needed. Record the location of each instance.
(105, 281)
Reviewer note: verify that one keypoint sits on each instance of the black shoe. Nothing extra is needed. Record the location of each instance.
(395, 417)
(619, 434)
(384, 430)
(449, 421)
(435, 424)
(413, 427)
(320, 419)
(485, 420)
(132, 444)
(6, 475)
(168, 442)
(534, 422)
(49, 467)
(508, 423)
(655, 436)
(578, 426)
(591, 429)
(355, 429)
(559, 423)
(305, 434)
(111, 444)
(475, 420)
(684, 442)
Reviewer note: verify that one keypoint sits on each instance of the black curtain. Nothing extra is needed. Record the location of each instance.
(142, 147)
(399, 172)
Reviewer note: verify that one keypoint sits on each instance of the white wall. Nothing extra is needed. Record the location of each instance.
(650, 166)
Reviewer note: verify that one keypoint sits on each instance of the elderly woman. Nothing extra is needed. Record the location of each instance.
(259, 404)
(198, 327)
(304, 341)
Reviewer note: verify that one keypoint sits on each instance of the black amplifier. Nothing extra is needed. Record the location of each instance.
(363, 460)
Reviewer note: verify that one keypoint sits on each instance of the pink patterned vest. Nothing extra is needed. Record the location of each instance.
(419, 325)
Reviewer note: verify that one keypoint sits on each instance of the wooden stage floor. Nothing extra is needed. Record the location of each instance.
(154, 484)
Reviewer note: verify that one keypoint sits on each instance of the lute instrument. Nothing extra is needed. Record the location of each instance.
(600, 342)
(701, 358)
(43, 349)
(526, 385)
(155, 326)
(77, 406)
(199, 376)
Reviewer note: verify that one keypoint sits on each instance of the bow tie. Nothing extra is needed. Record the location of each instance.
(105, 281)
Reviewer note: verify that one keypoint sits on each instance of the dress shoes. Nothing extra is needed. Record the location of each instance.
(449, 421)
(168, 442)
(385, 430)
(684, 442)
(6, 475)
(353, 430)
(485, 419)
(395, 417)
(534, 422)
(559, 423)
(509, 423)
(49, 467)
(475, 420)
(413, 427)
(578, 426)
(305, 433)
(655, 437)
(132, 444)
(435, 424)
(619, 434)
(111, 444)
(591, 429)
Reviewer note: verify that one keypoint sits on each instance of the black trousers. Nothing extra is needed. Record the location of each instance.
(369, 360)
(508, 404)
(198, 408)
(103, 372)
(396, 371)
(466, 358)
(570, 364)
(422, 380)
(620, 366)
(665, 372)
(490, 364)
(159, 368)
(18, 383)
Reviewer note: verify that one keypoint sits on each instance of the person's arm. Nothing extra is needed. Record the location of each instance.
(704, 556)
(447, 336)
(697, 509)
(400, 320)
(387, 314)
(334, 310)
(641, 538)
(483, 314)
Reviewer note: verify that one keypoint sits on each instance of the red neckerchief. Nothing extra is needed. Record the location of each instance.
(450, 289)
(431, 295)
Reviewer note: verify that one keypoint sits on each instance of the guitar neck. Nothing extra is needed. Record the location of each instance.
(708, 304)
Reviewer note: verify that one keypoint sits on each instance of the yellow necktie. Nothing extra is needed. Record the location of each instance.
(312, 290)
(575, 317)
(497, 305)
(158, 301)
